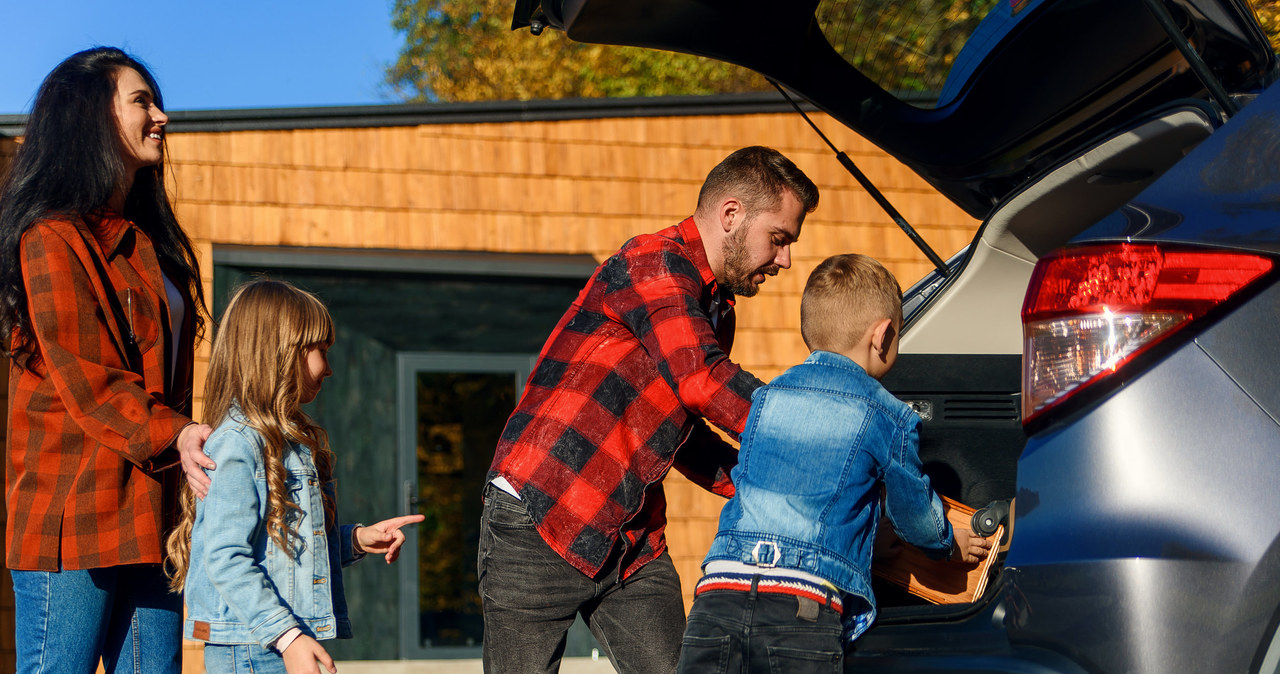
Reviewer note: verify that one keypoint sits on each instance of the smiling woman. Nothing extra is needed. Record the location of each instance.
(141, 122)
(100, 291)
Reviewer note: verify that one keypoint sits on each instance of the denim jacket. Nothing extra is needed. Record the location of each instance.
(241, 587)
(820, 440)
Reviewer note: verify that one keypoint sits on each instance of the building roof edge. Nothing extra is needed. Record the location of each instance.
(415, 114)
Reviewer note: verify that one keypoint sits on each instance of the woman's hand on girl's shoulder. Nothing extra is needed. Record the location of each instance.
(305, 655)
(190, 446)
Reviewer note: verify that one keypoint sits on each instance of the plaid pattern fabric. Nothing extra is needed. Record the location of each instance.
(83, 420)
(623, 381)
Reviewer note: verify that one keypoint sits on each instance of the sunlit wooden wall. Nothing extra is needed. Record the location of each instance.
(572, 186)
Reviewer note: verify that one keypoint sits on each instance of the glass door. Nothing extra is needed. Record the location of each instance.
(452, 409)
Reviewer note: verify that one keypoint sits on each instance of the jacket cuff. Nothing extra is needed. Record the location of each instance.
(347, 543)
(269, 631)
(286, 639)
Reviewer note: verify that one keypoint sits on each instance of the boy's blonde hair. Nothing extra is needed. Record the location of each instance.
(257, 366)
(845, 295)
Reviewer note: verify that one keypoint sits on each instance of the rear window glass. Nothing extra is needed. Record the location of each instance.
(922, 51)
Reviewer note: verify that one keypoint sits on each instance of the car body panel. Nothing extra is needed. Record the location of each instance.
(1146, 537)
(1226, 193)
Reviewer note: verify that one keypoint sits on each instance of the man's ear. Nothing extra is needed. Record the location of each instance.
(882, 334)
(730, 213)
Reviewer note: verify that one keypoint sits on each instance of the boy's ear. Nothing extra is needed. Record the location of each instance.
(882, 333)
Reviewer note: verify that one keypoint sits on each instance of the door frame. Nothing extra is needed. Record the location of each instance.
(408, 365)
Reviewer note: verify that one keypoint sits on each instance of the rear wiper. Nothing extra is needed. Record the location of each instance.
(871, 189)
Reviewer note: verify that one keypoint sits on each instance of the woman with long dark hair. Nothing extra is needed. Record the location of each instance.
(101, 299)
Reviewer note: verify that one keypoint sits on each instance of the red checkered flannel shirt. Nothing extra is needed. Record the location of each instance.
(623, 381)
(82, 420)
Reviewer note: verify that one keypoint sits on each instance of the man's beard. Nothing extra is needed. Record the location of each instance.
(737, 269)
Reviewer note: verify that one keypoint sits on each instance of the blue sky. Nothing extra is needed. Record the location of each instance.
(211, 55)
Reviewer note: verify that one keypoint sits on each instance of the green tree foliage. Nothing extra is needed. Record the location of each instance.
(1269, 17)
(902, 45)
(465, 50)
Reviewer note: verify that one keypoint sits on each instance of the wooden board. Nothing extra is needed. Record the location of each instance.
(940, 582)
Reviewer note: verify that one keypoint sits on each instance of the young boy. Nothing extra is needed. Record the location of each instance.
(789, 570)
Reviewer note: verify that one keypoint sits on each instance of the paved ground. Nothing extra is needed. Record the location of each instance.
(569, 666)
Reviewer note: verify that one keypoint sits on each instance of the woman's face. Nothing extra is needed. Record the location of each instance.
(140, 121)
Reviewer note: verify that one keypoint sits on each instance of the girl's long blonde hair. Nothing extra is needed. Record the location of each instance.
(257, 366)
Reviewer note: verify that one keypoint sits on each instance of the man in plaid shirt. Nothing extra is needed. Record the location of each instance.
(574, 508)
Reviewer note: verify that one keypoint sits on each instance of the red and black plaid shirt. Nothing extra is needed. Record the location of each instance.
(624, 380)
(83, 419)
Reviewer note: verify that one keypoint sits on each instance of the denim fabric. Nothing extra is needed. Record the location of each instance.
(531, 596)
(65, 620)
(820, 440)
(242, 659)
(735, 631)
(241, 587)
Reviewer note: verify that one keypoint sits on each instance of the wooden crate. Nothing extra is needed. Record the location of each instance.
(938, 581)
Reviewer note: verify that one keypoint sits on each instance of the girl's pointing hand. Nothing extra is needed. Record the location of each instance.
(385, 537)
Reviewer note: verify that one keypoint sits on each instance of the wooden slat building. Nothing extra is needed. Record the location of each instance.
(447, 240)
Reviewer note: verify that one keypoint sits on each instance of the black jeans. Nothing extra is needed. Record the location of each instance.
(734, 631)
(531, 596)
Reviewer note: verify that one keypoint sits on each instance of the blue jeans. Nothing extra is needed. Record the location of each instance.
(125, 615)
(242, 659)
(531, 597)
(734, 631)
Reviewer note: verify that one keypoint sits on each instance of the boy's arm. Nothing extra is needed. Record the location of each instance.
(913, 508)
(706, 459)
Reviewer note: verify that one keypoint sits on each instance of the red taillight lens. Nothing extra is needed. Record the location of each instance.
(1089, 310)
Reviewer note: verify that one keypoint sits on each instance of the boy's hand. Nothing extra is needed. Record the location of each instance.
(302, 656)
(970, 548)
(385, 537)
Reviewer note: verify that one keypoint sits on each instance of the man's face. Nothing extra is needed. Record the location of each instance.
(760, 246)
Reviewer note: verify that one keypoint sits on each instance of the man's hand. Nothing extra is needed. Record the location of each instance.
(302, 655)
(970, 548)
(385, 537)
(191, 450)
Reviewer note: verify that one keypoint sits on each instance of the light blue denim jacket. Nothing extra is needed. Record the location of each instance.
(241, 587)
(820, 440)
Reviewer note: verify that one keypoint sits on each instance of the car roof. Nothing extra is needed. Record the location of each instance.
(977, 96)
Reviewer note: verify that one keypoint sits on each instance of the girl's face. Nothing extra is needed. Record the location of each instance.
(141, 123)
(315, 367)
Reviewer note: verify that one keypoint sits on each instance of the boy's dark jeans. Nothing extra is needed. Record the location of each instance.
(734, 631)
(531, 596)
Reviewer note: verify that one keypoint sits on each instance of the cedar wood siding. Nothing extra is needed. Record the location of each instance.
(557, 186)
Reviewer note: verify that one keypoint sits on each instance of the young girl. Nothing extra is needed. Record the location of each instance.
(260, 557)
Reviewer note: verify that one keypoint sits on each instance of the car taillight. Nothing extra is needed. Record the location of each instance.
(1090, 310)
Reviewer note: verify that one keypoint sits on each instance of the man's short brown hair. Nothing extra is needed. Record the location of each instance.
(845, 295)
(757, 176)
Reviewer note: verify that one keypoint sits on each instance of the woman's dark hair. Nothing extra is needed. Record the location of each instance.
(69, 165)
